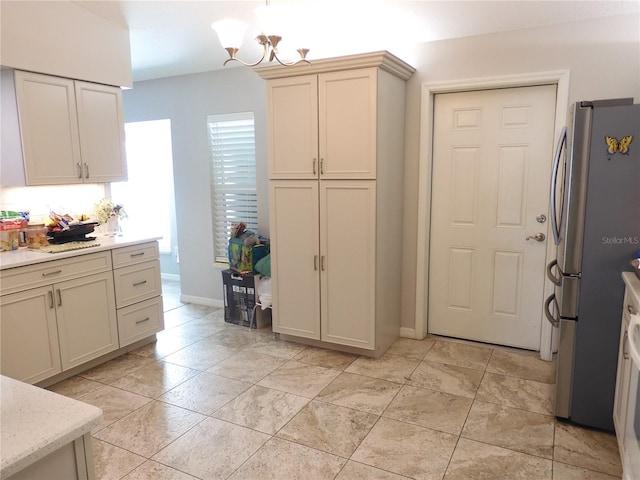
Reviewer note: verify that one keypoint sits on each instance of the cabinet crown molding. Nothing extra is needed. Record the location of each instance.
(382, 59)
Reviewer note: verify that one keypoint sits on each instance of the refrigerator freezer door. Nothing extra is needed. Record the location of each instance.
(564, 373)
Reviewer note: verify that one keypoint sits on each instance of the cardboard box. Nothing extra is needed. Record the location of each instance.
(240, 293)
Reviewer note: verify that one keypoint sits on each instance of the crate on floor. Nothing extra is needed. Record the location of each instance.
(240, 299)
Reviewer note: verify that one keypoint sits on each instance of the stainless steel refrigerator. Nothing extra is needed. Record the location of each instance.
(595, 210)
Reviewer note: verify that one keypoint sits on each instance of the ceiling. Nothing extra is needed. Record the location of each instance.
(174, 37)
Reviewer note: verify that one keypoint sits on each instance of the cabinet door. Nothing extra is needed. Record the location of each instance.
(101, 127)
(348, 124)
(295, 260)
(87, 324)
(347, 249)
(49, 129)
(29, 334)
(293, 127)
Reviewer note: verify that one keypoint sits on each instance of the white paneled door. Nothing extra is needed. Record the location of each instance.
(490, 197)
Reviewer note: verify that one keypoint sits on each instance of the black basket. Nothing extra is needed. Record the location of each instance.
(75, 233)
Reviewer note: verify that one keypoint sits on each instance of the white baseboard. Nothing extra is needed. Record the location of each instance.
(406, 332)
(209, 302)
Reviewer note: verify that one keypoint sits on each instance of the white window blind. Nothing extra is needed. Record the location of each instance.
(233, 176)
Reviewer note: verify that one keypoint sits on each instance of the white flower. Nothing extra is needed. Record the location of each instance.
(106, 209)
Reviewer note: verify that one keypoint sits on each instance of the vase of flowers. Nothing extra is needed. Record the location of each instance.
(108, 215)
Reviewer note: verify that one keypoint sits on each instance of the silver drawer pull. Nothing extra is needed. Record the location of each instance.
(142, 321)
(137, 254)
(137, 284)
(46, 274)
(631, 310)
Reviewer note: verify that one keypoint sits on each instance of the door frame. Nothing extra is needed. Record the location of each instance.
(560, 78)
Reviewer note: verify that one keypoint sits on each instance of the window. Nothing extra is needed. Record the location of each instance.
(147, 195)
(233, 176)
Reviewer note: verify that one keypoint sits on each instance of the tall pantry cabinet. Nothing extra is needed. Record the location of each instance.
(336, 147)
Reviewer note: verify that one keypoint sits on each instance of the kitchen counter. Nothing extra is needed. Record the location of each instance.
(36, 422)
(25, 256)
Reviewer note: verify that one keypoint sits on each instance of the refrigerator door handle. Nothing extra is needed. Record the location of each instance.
(547, 313)
(555, 280)
(554, 179)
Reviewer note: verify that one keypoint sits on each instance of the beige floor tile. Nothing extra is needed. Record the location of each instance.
(359, 471)
(114, 402)
(212, 449)
(562, 471)
(111, 462)
(459, 354)
(366, 394)
(117, 368)
(263, 409)
(299, 378)
(205, 393)
(436, 410)
(280, 459)
(405, 449)
(155, 379)
(518, 393)
(519, 430)
(165, 344)
(200, 355)
(151, 470)
(150, 428)
(393, 368)
(330, 428)
(323, 357)
(233, 336)
(407, 347)
(590, 449)
(475, 460)
(275, 347)
(247, 366)
(526, 365)
(451, 379)
(75, 387)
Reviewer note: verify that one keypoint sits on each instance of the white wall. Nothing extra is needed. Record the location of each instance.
(603, 57)
(187, 101)
(62, 38)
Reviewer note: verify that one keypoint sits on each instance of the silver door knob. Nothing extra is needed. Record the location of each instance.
(538, 237)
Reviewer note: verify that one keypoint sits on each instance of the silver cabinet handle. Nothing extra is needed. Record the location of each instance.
(51, 299)
(137, 284)
(140, 254)
(59, 297)
(142, 321)
(314, 166)
(46, 274)
(79, 169)
(631, 310)
(315, 262)
(86, 171)
(322, 263)
(322, 166)
(625, 352)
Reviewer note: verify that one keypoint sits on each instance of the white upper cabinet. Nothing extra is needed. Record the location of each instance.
(72, 132)
(323, 126)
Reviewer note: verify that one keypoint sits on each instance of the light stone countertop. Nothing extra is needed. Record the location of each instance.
(35, 422)
(25, 256)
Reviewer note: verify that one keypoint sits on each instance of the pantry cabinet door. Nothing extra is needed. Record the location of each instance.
(101, 127)
(295, 259)
(293, 127)
(87, 323)
(29, 335)
(49, 129)
(348, 124)
(348, 262)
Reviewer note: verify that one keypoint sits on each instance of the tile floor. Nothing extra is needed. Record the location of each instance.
(211, 400)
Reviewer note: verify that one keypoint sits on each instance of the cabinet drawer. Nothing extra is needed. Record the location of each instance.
(140, 320)
(31, 276)
(123, 257)
(137, 283)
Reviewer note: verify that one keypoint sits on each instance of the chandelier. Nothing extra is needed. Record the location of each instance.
(231, 33)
